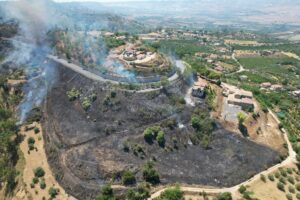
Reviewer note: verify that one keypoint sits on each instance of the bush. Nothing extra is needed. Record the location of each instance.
(291, 179)
(73, 94)
(42, 184)
(106, 193)
(283, 173)
(53, 192)
(128, 178)
(292, 189)
(224, 196)
(171, 194)
(140, 193)
(161, 138)
(39, 172)
(282, 180)
(298, 187)
(31, 141)
(271, 177)
(298, 196)
(148, 136)
(36, 130)
(242, 189)
(280, 186)
(289, 171)
(277, 174)
(289, 197)
(263, 178)
(150, 174)
(35, 180)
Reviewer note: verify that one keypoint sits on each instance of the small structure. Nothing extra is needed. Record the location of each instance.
(243, 77)
(266, 85)
(238, 97)
(276, 87)
(199, 87)
(219, 68)
(296, 93)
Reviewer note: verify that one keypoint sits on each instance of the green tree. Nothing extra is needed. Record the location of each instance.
(128, 178)
(161, 138)
(224, 196)
(150, 174)
(39, 172)
(172, 194)
(106, 193)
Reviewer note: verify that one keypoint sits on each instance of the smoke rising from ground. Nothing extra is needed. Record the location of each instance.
(34, 18)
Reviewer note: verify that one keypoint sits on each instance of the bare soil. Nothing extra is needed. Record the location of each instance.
(85, 148)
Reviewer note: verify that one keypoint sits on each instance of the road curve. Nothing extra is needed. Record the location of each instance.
(92, 76)
(291, 159)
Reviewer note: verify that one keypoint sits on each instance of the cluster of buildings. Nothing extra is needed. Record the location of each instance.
(131, 54)
(238, 97)
(270, 86)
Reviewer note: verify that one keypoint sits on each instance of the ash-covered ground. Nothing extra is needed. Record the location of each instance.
(86, 148)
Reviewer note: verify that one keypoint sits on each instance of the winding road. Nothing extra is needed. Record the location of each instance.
(291, 159)
(92, 76)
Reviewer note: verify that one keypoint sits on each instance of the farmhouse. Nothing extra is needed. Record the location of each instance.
(238, 96)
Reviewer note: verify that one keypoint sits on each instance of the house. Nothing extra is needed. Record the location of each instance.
(276, 87)
(219, 68)
(243, 77)
(199, 87)
(238, 96)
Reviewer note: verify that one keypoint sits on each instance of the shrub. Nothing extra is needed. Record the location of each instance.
(106, 193)
(35, 180)
(283, 172)
(128, 178)
(289, 197)
(298, 196)
(292, 189)
(31, 141)
(242, 189)
(148, 136)
(277, 174)
(263, 178)
(298, 187)
(289, 171)
(39, 172)
(271, 177)
(280, 186)
(36, 130)
(140, 193)
(53, 192)
(224, 196)
(282, 180)
(150, 174)
(171, 194)
(42, 184)
(73, 94)
(291, 179)
(161, 138)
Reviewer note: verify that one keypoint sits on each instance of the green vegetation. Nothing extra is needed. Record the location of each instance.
(224, 196)
(106, 193)
(39, 172)
(150, 174)
(171, 194)
(73, 94)
(30, 142)
(53, 192)
(140, 193)
(203, 127)
(183, 47)
(36, 130)
(154, 132)
(128, 178)
(112, 42)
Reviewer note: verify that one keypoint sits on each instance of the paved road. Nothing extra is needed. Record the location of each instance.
(291, 159)
(95, 77)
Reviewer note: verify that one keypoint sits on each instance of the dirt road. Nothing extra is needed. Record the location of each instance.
(291, 159)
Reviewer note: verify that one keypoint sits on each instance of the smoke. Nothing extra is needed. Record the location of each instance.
(34, 18)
